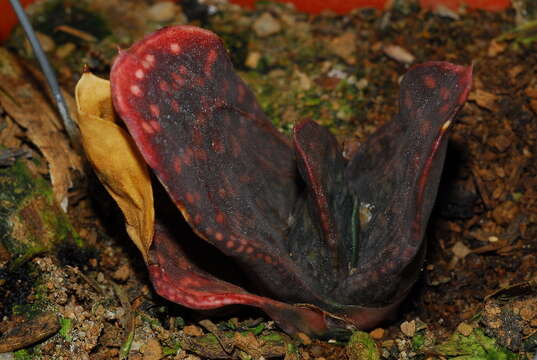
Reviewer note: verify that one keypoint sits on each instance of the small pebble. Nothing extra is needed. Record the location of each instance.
(460, 250)
(399, 54)
(163, 11)
(408, 328)
(192, 330)
(252, 60)
(266, 25)
(65, 50)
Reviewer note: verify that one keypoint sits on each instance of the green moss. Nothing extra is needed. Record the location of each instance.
(208, 339)
(418, 341)
(28, 310)
(66, 325)
(257, 329)
(24, 354)
(126, 346)
(171, 350)
(272, 337)
(476, 346)
(292, 350)
(30, 219)
(361, 346)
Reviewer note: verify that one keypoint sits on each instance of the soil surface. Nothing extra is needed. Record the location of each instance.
(477, 295)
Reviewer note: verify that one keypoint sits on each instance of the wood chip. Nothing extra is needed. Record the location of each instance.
(484, 99)
(344, 46)
(408, 328)
(248, 343)
(29, 332)
(496, 48)
(193, 330)
(151, 350)
(465, 329)
(377, 334)
(122, 273)
(304, 339)
(531, 92)
(399, 54)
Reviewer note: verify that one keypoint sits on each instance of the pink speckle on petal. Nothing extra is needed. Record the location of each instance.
(444, 93)
(175, 48)
(174, 105)
(154, 110)
(187, 156)
(429, 81)
(178, 79)
(444, 108)
(218, 236)
(229, 244)
(139, 74)
(163, 85)
(147, 128)
(177, 164)
(150, 59)
(211, 58)
(155, 125)
(189, 197)
(135, 90)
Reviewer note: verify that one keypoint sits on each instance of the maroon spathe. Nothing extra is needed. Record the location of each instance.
(341, 238)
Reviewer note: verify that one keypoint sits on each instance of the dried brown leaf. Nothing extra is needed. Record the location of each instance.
(116, 160)
(29, 107)
(485, 99)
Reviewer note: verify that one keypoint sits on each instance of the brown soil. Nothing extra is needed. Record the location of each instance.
(343, 71)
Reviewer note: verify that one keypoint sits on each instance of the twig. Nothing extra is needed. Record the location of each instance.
(52, 81)
(9, 156)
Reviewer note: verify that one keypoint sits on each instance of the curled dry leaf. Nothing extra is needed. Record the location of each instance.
(115, 159)
(31, 110)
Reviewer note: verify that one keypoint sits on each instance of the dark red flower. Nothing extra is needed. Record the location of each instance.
(332, 242)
